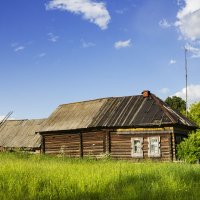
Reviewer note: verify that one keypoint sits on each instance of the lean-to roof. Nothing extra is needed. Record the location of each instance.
(21, 133)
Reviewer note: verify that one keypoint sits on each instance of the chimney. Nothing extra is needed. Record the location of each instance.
(146, 93)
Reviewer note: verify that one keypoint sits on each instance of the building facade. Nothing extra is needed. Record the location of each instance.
(134, 127)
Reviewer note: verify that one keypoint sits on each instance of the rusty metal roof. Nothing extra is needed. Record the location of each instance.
(137, 111)
(129, 111)
(21, 133)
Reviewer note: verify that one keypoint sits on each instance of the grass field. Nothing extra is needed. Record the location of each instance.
(24, 176)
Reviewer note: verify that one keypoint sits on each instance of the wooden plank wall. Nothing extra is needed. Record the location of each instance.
(100, 142)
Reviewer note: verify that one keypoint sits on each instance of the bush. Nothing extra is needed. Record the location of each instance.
(189, 149)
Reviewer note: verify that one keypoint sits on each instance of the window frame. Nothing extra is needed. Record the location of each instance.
(154, 154)
(140, 154)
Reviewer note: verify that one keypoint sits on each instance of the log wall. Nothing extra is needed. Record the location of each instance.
(121, 146)
(96, 143)
(93, 143)
(64, 144)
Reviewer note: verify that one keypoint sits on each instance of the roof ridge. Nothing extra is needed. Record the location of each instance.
(168, 114)
(96, 99)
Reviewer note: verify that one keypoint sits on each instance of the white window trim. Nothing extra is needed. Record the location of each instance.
(137, 155)
(149, 146)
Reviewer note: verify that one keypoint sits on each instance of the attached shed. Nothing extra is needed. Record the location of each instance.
(21, 135)
(131, 127)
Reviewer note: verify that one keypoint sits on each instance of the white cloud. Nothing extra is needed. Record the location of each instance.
(1, 118)
(122, 44)
(87, 44)
(164, 23)
(164, 90)
(52, 37)
(188, 20)
(194, 50)
(19, 48)
(179, 2)
(193, 93)
(95, 12)
(121, 12)
(172, 61)
(41, 55)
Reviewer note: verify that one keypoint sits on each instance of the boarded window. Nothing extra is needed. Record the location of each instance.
(154, 147)
(137, 144)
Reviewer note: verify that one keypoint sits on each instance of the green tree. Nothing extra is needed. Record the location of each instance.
(194, 113)
(189, 149)
(176, 103)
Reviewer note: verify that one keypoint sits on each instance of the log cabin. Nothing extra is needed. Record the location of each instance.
(132, 127)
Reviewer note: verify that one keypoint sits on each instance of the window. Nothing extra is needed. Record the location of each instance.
(154, 147)
(137, 144)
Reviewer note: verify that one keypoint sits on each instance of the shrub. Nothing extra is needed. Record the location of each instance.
(189, 149)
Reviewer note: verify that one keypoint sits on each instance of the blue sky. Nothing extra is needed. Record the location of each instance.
(60, 51)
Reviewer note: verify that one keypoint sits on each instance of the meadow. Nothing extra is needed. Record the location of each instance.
(25, 176)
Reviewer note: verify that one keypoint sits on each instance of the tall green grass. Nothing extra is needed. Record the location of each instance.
(24, 176)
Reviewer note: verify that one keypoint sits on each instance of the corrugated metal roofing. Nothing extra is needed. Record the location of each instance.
(130, 111)
(21, 133)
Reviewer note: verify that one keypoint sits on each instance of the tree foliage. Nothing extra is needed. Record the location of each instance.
(176, 103)
(194, 113)
(189, 149)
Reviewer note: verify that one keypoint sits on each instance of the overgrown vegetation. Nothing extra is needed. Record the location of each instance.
(24, 176)
(189, 149)
(194, 113)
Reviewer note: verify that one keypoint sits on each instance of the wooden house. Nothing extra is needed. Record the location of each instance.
(131, 127)
(21, 135)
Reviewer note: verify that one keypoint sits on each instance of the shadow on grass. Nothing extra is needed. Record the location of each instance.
(147, 186)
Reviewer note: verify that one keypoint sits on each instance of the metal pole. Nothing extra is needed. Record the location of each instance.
(186, 83)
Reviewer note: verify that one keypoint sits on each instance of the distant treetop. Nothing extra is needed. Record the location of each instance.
(176, 103)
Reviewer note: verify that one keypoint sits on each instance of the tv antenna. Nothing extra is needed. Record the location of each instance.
(186, 83)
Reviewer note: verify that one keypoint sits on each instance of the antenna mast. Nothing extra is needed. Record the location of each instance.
(186, 83)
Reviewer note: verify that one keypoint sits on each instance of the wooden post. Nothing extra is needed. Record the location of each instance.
(81, 145)
(173, 147)
(43, 144)
(108, 143)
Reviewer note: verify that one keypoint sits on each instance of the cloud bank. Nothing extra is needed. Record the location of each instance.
(193, 93)
(95, 12)
(188, 20)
